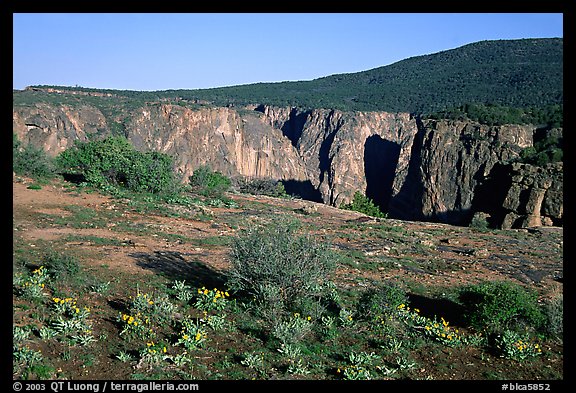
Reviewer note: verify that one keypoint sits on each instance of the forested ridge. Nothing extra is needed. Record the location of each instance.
(489, 81)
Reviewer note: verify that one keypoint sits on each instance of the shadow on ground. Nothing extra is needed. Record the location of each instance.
(445, 308)
(178, 266)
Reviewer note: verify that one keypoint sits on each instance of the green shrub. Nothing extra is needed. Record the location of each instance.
(546, 151)
(381, 300)
(209, 183)
(279, 268)
(61, 266)
(512, 345)
(269, 187)
(554, 310)
(480, 222)
(498, 306)
(114, 161)
(363, 204)
(31, 161)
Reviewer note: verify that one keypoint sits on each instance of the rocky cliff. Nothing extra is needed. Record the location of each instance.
(412, 168)
(521, 195)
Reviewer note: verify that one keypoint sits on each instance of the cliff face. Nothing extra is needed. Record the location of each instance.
(347, 152)
(448, 161)
(232, 144)
(55, 128)
(522, 195)
(427, 170)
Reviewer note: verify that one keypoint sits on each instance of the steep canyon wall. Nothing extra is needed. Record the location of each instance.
(414, 169)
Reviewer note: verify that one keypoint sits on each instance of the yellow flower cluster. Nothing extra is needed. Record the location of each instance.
(40, 271)
(209, 299)
(217, 293)
(197, 337)
(69, 305)
(36, 280)
(354, 372)
(57, 300)
(192, 335)
(144, 297)
(152, 348)
(439, 330)
(135, 320)
(443, 332)
(521, 346)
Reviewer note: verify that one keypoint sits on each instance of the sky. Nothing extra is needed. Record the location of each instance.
(147, 51)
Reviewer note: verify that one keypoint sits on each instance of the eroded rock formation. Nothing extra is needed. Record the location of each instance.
(413, 169)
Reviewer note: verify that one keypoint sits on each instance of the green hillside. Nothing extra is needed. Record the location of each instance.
(511, 73)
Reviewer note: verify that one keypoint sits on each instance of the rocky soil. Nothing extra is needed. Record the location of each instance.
(129, 244)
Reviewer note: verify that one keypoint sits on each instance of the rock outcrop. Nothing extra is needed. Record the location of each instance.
(55, 128)
(522, 195)
(234, 144)
(346, 152)
(413, 169)
(448, 161)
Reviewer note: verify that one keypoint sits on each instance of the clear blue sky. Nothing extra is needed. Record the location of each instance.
(189, 51)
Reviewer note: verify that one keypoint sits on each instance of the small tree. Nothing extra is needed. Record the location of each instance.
(500, 305)
(363, 204)
(209, 183)
(31, 161)
(114, 161)
(280, 268)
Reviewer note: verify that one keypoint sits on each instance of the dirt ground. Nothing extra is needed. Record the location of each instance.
(426, 255)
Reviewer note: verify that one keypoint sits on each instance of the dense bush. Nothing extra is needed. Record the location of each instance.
(61, 266)
(500, 305)
(381, 300)
(270, 187)
(554, 311)
(493, 114)
(114, 161)
(363, 204)
(279, 268)
(209, 183)
(31, 161)
(543, 152)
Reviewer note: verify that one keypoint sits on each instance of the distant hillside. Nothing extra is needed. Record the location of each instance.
(511, 73)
